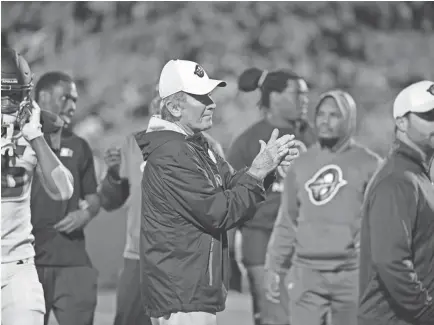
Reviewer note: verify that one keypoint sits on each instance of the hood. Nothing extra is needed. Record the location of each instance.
(348, 108)
(158, 133)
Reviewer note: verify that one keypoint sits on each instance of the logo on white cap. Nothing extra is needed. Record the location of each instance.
(186, 76)
(199, 71)
(431, 89)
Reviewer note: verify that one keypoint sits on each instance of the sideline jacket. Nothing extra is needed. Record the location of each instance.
(127, 190)
(397, 243)
(319, 219)
(191, 196)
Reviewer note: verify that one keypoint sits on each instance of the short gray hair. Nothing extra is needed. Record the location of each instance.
(176, 98)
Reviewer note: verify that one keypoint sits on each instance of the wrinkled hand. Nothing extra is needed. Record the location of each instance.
(112, 158)
(75, 220)
(272, 286)
(31, 127)
(278, 151)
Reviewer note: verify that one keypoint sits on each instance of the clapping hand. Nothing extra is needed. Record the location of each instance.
(277, 151)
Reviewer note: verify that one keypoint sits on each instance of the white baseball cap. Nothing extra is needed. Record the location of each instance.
(186, 76)
(416, 98)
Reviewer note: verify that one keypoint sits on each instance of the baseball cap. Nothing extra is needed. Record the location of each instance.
(186, 76)
(416, 98)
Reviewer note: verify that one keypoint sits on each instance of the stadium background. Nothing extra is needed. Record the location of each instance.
(115, 51)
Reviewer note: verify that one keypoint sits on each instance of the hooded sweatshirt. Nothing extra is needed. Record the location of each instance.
(319, 219)
(190, 197)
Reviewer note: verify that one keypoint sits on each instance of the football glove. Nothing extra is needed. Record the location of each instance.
(31, 127)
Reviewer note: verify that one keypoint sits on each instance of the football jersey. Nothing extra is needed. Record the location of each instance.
(16, 228)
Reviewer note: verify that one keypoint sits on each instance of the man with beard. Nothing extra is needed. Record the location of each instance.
(64, 267)
(397, 243)
(284, 104)
(317, 229)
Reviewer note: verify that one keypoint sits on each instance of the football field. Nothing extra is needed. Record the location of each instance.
(237, 311)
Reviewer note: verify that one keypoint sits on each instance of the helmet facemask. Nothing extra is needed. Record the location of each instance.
(15, 108)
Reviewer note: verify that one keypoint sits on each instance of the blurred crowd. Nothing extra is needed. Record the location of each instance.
(312, 142)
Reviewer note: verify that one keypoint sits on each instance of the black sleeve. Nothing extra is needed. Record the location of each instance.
(392, 213)
(191, 192)
(113, 192)
(87, 171)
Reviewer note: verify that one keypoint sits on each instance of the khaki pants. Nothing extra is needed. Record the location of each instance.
(313, 294)
(22, 294)
(192, 318)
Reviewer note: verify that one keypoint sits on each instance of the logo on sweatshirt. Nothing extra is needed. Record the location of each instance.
(325, 184)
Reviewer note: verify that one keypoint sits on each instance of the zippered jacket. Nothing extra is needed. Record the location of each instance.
(190, 197)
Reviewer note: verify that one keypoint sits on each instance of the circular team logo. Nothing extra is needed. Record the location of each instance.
(325, 184)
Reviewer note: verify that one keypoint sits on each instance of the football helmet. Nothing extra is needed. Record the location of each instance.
(16, 85)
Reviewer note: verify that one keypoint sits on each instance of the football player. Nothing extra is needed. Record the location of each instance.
(23, 151)
(317, 228)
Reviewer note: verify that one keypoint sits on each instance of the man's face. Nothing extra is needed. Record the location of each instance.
(329, 121)
(197, 112)
(62, 100)
(292, 103)
(420, 130)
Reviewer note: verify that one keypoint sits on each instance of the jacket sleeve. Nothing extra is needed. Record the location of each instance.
(392, 212)
(192, 194)
(281, 244)
(114, 192)
(231, 176)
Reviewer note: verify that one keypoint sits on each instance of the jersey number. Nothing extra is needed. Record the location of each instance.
(14, 181)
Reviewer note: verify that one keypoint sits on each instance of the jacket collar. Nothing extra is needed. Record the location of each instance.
(156, 123)
(412, 154)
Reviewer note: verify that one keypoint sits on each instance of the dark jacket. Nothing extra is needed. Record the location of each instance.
(190, 198)
(397, 243)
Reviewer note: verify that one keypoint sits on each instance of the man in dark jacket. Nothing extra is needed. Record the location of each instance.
(191, 196)
(396, 280)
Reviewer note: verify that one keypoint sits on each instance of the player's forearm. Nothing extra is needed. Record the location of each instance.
(93, 204)
(56, 179)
